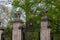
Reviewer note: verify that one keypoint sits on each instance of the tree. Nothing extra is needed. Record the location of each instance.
(33, 10)
(7, 34)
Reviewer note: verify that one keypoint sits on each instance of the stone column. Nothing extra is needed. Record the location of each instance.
(0, 33)
(45, 28)
(17, 28)
(1, 30)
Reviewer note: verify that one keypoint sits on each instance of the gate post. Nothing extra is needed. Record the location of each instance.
(17, 27)
(45, 28)
(1, 31)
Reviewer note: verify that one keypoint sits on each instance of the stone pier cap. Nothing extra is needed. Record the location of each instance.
(45, 18)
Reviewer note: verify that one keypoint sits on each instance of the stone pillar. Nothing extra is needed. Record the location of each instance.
(45, 28)
(1, 31)
(17, 28)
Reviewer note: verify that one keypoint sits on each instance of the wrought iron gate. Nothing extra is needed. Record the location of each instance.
(31, 35)
(2, 37)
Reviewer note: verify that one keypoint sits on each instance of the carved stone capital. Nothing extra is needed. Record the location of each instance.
(17, 21)
(44, 18)
(1, 28)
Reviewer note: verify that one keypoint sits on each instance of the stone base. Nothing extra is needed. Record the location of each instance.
(0, 33)
(45, 34)
(16, 35)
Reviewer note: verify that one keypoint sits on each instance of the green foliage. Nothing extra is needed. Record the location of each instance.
(34, 37)
(8, 31)
(30, 7)
(56, 37)
(16, 3)
(34, 11)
